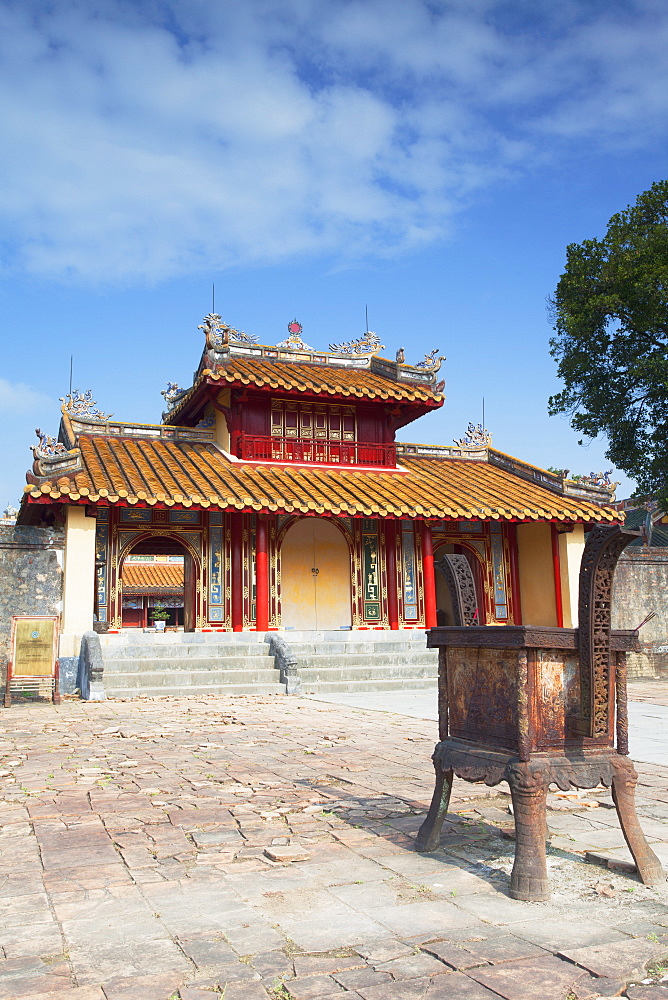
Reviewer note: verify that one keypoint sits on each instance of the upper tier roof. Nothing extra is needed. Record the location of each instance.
(354, 370)
(311, 380)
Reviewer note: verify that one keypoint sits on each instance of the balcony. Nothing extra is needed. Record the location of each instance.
(319, 451)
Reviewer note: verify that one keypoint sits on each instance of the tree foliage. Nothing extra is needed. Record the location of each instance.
(611, 343)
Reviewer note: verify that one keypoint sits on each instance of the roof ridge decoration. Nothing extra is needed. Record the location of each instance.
(48, 447)
(173, 393)
(476, 436)
(368, 343)
(431, 363)
(294, 339)
(218, 333)
(52, 458)
(600, 479)
(81, 404)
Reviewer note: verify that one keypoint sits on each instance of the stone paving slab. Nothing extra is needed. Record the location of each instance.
(262, 849)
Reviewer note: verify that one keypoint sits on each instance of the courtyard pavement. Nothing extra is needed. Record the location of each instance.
(258, 848)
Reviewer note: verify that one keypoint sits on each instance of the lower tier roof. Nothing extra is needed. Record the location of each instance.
(128, 471)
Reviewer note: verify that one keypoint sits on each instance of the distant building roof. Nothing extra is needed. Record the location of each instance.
(152, 577)
(638, 517)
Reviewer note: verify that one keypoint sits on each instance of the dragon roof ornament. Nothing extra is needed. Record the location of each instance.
(600, 479)
(172, 393)
(51, 457)
(218, 333)
(81, 404)
(48, 447)
(476, 436)
(432, 362)
(369, 343)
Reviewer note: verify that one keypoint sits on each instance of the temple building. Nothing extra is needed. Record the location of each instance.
(276, 485)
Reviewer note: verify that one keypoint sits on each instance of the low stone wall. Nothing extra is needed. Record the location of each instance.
(31, 562)
(641, 586)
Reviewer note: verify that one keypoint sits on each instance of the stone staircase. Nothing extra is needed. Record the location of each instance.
(333, 662)
(220, 663)
(187, 663)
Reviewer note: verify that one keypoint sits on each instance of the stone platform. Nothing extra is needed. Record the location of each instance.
(260, 848)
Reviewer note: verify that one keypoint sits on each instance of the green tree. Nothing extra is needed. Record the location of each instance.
(611, 343)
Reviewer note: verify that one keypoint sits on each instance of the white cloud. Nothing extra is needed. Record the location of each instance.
(18, 398)
(141, 141)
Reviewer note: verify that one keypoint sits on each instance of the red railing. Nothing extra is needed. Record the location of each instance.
(281, 449)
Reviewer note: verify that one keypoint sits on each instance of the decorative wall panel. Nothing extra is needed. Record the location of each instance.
(410, 592)
(371, 591)
(102, 567)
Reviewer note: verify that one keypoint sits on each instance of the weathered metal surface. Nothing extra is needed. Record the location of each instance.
(482, 695)
(458, 575)
(602, 551)
(534, 706)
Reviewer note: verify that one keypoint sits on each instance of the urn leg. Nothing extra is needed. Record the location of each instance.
(623, 795)
(429, 834)
(528, 880)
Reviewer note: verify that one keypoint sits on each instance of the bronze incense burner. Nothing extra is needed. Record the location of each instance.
(534, 706)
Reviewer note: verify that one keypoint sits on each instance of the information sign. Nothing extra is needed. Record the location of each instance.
(33, 665)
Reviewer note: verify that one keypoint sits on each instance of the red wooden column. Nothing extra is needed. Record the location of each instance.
(391, 565)
(236, 533)
(557, 577)
(428, 576)
(261, 576)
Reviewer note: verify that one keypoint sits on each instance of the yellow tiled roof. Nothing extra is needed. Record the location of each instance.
(123, 470)
(316, 379)
(152, 576)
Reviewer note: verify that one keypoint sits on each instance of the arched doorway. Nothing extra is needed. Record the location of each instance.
(315, 576)
(459, 586)
(158, 571)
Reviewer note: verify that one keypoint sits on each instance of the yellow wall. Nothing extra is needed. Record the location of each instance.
(571, 547)
(536, 571)
(78, 579)
(222, 430)
(321, 601)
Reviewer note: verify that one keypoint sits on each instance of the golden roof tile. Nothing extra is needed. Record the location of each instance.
(152, 576)
(354, 383)
(187, 473)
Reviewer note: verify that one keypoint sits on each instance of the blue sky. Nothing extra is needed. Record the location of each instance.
(310, 157)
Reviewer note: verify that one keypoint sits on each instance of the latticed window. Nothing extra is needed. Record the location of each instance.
(313, 420)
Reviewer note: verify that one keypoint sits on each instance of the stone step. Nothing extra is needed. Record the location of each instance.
(184, 678)
(217, 690)
(138, 637)
(338, 687)
(406, 658)
(113, 664)
(353, 635)
(326, 674)
(183, 651)
(303, 649)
